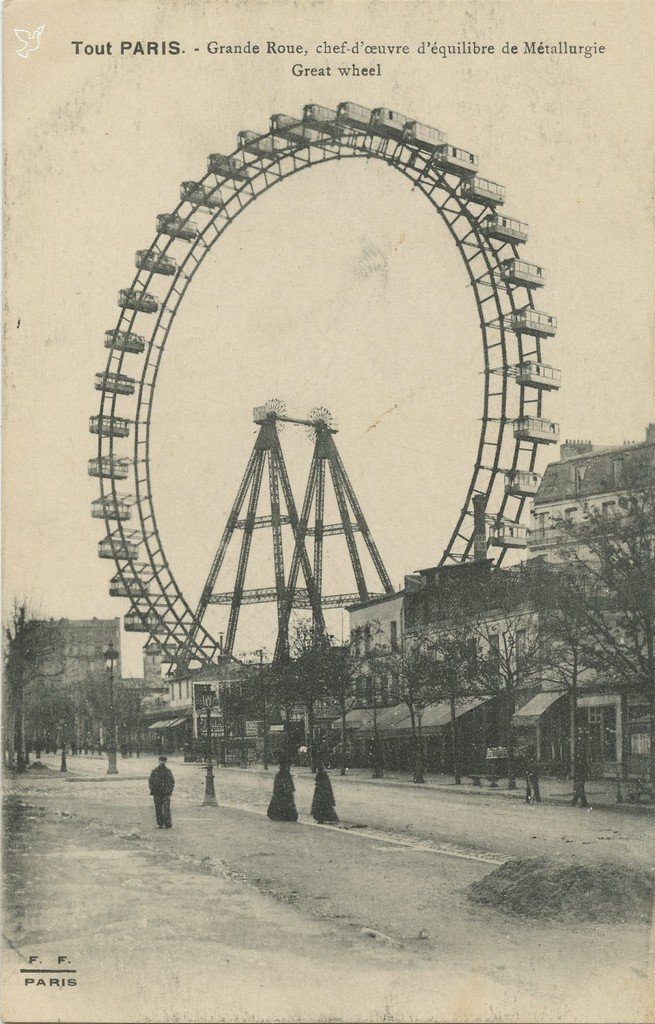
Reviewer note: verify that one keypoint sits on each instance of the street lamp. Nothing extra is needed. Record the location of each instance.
(111, 655)
(210, 793)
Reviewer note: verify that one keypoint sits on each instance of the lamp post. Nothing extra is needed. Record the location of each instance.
(111, 655)
(210, 793)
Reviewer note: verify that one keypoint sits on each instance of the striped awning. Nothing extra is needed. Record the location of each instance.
(170, 723)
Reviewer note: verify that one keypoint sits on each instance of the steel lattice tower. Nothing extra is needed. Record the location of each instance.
(267, 459)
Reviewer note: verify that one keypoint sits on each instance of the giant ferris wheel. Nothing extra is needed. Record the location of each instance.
(513, 334)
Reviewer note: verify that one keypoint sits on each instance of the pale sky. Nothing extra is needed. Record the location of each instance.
(341, 287)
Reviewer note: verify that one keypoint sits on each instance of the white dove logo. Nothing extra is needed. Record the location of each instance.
(30, 40)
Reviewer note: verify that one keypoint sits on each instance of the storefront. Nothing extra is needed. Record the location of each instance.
(542, 724)
(172, 734)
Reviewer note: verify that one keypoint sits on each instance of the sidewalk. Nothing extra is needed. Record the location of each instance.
(601, 793)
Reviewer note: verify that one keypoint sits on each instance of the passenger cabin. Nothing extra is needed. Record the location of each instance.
(505, 229)
(126, 585)
(115, 546)
(532, 321)
(521, 483)
(125, 341)
(228, 167)
(177, 227)
(109, 467)
(519, 272)
(141, 301)
(110, 507)
(259, 145)
(534, 428)
(389, 123)
(156, 262)
(354, 115)
(201, 195)
(424, 136)
(321, 117)
(538, 375)
(109, 426)
(294, 130)
(456, 161)
(134, 622)
(508, 535)
(483, 191)
(115, 383)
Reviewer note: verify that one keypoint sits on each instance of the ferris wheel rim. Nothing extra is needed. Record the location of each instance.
(262, 167)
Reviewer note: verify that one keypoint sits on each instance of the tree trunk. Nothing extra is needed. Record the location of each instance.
(310, 738)
(415, 755)
(509, 739)
(573, 734)
(652, 736)
(343, 737)
(19, 727)
(419, 777)
(377, 772)
(454, 745)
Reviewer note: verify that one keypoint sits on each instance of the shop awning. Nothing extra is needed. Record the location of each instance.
(436, 716)
(170, 723)
(536, 707)
(357, 718)
(388, 719)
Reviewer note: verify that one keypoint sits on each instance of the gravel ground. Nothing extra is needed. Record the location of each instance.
(230, 916)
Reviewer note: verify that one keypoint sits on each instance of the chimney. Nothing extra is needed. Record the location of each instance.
(570, 448)
(479, 529)
(650, 433)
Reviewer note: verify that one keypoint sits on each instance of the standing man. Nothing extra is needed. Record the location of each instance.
(162, 785)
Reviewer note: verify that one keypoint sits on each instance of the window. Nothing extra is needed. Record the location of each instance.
(393, 630)
(601, 733)
(640, 744)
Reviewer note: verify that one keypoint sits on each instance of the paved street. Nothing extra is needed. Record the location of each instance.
(235, 915)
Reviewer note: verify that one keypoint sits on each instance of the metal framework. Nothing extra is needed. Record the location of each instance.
(267, 451)
(512, 337)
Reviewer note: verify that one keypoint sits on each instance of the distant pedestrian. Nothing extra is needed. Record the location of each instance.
(323, 805)
(283, 806)
(531, 768)
(579, 781)
(162, 785)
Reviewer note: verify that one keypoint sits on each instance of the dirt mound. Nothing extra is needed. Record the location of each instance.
(36, 766)
(551, 890)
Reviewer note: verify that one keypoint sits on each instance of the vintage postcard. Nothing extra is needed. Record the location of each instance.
(329, 511)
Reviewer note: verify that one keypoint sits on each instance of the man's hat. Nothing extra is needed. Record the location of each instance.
(162, 758)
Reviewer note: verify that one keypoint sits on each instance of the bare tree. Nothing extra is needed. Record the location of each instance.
(615, 555)
(510, 645)
(31, 655)
(560, 595)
